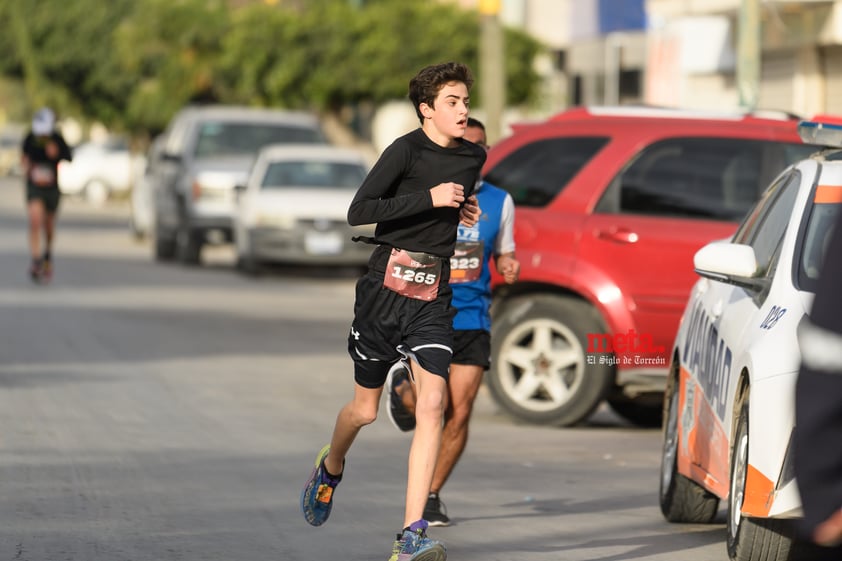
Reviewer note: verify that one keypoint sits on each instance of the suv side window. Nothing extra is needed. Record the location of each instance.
(711, 178)
(535, 173)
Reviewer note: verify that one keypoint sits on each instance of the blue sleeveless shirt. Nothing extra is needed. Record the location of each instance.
(472, 297)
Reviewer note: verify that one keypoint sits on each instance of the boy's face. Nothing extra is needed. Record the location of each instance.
(448, 117)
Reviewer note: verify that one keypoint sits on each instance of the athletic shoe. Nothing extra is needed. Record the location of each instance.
(46, 269)
(403, 420)
(317, 495)
(35, 270)
(414, 545)
(435, 512)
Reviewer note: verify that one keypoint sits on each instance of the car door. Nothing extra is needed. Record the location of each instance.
(165, 175)
(675, 196)
(725, 322)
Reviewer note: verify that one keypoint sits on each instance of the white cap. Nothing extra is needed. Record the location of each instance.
(44, 122)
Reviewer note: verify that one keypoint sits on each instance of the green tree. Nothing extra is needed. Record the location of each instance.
(134, 63)
(332, 53)
(63, 51)
(171, 50)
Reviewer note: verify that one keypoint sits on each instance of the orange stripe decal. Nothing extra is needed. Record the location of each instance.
(759, 493)
(704, 451)
(828, 194)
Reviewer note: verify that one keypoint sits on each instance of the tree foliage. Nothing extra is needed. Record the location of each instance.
(133, 63)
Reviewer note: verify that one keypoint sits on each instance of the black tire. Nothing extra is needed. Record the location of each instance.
(752, 539)
(681, 499)
(188, 244)
(164, 247)
(248, 265)
(644, 415)
(539, 373)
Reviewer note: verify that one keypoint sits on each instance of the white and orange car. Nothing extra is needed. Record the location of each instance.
(729, 403)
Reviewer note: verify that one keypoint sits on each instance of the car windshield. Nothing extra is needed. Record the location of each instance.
(304, 173)
(218, 139)
(817, 235)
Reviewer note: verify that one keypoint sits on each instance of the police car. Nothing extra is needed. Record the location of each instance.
(729, 403)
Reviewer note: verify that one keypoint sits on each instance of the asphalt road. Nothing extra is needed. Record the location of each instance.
(156, 412)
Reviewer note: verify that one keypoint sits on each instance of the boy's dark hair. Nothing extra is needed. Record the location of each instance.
(425, 86)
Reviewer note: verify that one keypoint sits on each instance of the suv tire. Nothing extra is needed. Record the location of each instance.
(638, 411)
(539, 371)
(188, 244)
(164, 247)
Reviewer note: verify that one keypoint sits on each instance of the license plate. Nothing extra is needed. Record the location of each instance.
(323, 243)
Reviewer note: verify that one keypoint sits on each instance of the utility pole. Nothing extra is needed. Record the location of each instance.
(491, 68)
(748, 54)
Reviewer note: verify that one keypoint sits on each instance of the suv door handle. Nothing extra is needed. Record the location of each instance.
(618, 235)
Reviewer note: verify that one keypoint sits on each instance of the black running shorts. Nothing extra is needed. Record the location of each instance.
(49, 195)
(388, 327)
(472, 347)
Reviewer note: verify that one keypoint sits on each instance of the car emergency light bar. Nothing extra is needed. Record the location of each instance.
(822, 134)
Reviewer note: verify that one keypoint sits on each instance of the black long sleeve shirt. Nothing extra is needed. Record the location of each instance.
(396, 193)
(35, 148)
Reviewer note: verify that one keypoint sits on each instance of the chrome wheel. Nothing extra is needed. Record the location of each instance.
(541, 364)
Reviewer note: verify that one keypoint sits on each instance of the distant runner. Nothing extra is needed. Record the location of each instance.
(43, 148)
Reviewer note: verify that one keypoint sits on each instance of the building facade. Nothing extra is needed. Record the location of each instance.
(783, 55)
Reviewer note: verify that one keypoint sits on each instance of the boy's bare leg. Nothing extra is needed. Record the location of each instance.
(359, 412)
(35, 213)
(463, 386)
(431, 393)
(49, 230)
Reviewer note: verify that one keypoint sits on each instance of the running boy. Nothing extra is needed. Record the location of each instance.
(416, 194)
(43, 148)
(491, 239)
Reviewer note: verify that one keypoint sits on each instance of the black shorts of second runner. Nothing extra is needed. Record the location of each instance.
(472, 347)
(389, 327)
(49, 195)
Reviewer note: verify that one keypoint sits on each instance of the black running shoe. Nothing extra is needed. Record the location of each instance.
(46, 270)
(435, 512)
(403, 420)
(35, 270)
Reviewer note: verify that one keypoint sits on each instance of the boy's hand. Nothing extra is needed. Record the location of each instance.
(447, 194)
(829, 532)
(52, 150)
(509, 267)
(470, 212)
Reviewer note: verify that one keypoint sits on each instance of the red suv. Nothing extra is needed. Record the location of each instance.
(612, 203)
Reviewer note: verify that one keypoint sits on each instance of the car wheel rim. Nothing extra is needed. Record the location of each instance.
(670, 451)
(738, 481)
(541, 365)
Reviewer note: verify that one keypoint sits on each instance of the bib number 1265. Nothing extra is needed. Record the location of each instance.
(413, 275)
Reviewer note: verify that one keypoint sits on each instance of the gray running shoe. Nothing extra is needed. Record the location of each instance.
(403, 420)
(414, 545)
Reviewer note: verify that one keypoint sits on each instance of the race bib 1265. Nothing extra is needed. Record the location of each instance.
(413, 274)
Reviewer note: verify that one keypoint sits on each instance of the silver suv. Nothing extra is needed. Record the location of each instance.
(207, 151)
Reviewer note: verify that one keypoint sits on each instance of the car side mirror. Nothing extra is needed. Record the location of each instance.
(730, 263)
